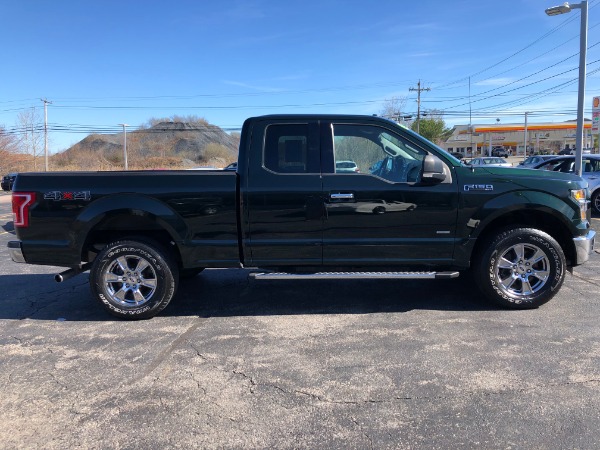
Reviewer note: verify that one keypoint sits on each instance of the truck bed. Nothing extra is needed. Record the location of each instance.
(198, 210)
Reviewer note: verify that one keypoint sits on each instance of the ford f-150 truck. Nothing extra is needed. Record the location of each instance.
(407, 210)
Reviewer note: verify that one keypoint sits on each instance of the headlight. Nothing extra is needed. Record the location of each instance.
(580, 196)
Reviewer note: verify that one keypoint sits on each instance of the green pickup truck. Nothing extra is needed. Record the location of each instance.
(313, 196)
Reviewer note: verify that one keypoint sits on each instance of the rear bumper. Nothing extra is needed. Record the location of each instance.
(16, 252)
(584, 245)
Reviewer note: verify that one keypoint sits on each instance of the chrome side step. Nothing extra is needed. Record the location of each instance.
(353, 275)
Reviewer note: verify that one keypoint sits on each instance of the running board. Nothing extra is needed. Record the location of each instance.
(353, 275)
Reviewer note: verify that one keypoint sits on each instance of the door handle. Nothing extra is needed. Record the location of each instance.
(340, 196)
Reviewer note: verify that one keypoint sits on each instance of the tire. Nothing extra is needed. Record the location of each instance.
(133, 279)
(520, 268)
(596, 201)
(379, 210)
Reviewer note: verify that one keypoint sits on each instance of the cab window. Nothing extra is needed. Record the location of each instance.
(286, 148)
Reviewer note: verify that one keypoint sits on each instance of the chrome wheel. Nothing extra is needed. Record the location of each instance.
(130, 281)
(596, 202)
(522, 270)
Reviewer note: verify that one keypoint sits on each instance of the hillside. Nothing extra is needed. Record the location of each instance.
(166, 144)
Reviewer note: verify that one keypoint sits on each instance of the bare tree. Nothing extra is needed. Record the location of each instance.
(10, 158)
(31, 141)
(8, 142)
(393, 108)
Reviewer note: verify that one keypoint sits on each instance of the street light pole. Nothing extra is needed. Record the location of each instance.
(525, 138)
(124, 125)
(562, 9)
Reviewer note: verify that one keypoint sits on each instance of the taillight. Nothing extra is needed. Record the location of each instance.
(21, 202)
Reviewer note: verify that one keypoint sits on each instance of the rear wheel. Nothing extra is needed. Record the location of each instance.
(520, 268)
(133, 279)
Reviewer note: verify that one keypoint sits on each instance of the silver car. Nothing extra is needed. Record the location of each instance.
(533, 161)
(489, 161)
(590, 172)
(346, 167)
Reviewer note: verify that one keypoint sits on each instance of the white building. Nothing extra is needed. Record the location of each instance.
(541, 137)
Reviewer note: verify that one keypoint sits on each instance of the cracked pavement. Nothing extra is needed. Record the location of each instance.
(233, 363)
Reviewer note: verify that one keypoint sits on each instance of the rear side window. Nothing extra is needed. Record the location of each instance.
(286, 148)
(591, 165)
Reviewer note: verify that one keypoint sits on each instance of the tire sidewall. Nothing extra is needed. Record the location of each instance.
(490, 260)
(165, 279)
(595, 202)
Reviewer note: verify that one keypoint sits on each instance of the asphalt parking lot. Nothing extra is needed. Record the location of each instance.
(235, 363)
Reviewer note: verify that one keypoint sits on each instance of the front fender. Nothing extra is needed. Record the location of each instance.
(525, 201)
(557, 216)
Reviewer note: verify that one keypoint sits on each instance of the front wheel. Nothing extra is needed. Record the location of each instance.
(133, 279)
(520, 268)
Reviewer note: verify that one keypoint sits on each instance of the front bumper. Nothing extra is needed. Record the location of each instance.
(16, 253)
(584, 245)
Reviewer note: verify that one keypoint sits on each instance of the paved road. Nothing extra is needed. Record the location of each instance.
(245, 364)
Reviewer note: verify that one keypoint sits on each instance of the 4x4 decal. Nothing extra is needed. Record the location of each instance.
(58, 196)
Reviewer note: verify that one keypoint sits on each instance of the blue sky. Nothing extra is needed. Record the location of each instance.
(111, 62)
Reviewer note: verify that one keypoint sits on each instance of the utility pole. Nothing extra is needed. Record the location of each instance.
(124, 125)
(46, 130)
(419, 89)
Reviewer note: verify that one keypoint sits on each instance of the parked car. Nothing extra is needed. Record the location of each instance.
(571, 151)
(458, 155)
(346, 167)
(535, 160)
(500, 152)
(8, 181)
(489, 161)
(590, 165)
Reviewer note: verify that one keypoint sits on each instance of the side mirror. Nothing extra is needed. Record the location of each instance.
(433, 170)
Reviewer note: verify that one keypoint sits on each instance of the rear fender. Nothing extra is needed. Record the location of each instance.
(149, 208)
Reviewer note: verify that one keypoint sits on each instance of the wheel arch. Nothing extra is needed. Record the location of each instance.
(541, 219)
(112, 218)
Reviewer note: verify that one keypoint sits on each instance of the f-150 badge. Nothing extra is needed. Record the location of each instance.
(58, 196)
(479, 187)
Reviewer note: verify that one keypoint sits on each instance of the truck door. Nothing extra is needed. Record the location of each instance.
(283, 199)
(377, 211)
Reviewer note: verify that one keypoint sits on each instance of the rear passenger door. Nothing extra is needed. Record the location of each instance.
(283, 194)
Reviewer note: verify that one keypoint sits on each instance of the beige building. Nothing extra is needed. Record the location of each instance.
(541, 137)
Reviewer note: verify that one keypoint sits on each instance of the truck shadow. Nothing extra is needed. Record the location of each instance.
(230, 293)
